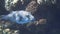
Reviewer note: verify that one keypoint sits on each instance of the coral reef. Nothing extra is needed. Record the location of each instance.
(46, 13)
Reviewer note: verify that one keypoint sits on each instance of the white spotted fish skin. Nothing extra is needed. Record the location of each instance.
(19, 17)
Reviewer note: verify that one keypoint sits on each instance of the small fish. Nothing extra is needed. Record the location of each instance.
(19, 17)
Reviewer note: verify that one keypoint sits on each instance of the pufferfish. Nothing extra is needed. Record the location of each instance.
(19, 17)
